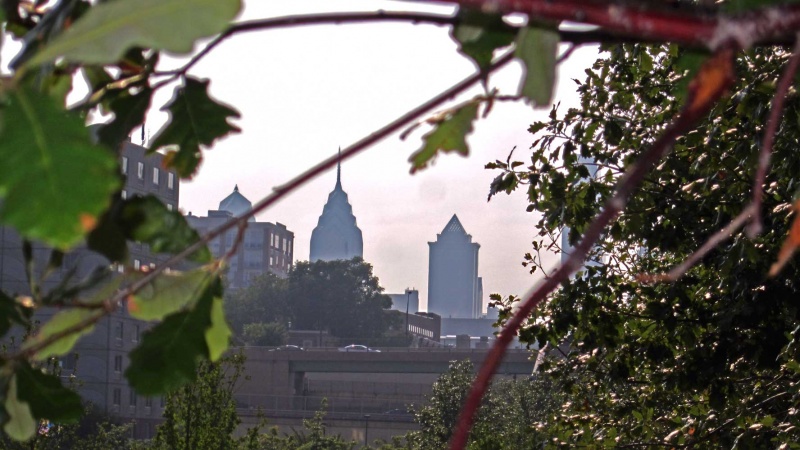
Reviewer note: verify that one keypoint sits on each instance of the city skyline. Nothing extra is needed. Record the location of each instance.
(345, 82)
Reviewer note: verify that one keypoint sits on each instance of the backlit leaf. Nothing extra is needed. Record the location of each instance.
(148, 220)
(61, 321)
(478, 35)
(537, 48)
(169, 292)
(169, 353)
(195, 120)
(218, 336)
(46, 396)
(448, 135)
(48, 159)
(11, 312)
(20, 425)
(104, 33)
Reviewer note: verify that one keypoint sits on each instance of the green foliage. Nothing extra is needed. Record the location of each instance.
(109, 29)
(343, 297)
(265, 334)
(170, 293)
(704, 361)
(195, 120)
(202, 414)
(537, 48)
(59, 166)
(170, 352)
(58, 324)
(479, 35)
(509, 417)
(313, 437)
(449, 135)
(264, 301)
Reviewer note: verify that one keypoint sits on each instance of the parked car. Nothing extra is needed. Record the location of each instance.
(288, 348)
(357, 348)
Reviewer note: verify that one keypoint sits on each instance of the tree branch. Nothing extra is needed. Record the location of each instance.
(703, 95)
(785, 82)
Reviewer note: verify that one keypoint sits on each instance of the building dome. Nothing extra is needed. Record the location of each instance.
(236, 204)
(337, 235)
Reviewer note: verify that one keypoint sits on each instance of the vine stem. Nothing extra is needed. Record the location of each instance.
(278, 193)
(785, 82)
(708, 86)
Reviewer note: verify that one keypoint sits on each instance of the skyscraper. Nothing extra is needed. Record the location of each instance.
(336, 236)
(454, 288)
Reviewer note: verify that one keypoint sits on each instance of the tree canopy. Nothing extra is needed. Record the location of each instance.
(707, 360)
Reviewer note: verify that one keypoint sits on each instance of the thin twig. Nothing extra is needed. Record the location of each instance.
(680, 270)
(701, 99)
(786, 80)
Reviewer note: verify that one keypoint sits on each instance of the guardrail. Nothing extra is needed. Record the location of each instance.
(295, 403)
(402, 350)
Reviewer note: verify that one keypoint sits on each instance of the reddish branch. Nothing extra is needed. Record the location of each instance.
(754, 229)
(708, 86)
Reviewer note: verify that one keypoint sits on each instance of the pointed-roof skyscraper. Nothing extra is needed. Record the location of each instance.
(336, 236)
(454, 288)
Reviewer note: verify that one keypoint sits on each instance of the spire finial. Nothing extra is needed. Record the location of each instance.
(339, 170)
(236, 188)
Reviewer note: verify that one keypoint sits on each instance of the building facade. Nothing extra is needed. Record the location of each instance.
(264, 247)
(408, 301)
(454, 288)
(336, 235)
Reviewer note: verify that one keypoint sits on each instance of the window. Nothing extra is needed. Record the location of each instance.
(118, 363)
(162, 401)
(170, 180)
(117, 396)
(155, 176)
(137, 264)
(169, 206)
(133, 398)
(125, 165)
(123, 194)
(136, 331)
(119, 330)
(148, 402)
(140, 170)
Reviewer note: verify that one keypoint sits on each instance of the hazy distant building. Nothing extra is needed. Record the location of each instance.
(336, 236)
(454, 288)
(265, 247)
(408, 301)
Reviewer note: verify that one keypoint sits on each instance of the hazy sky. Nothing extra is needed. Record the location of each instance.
(306, 91)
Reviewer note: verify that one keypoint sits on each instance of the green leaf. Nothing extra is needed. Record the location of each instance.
(537, 48)
(449, 135)
(107, 238)
(478, 35)
(104, 33)
(48, 159)
(129, 111)
(20, 425)
(60, 322)
(195, 120)
(47, 397)
(169, 353)
(218, 336)
(170, 292)
(147, 220)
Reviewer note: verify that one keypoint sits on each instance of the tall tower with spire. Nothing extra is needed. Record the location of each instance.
(336, 236)
(454, 288)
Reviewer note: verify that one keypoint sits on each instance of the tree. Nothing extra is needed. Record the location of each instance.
(265, 334)
(202, 414)
(40, 139)
(264, 301)
(708, 360)
(341, 296)
(509, 417)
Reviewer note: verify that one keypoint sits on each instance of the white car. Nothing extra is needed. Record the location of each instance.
(357, 348)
